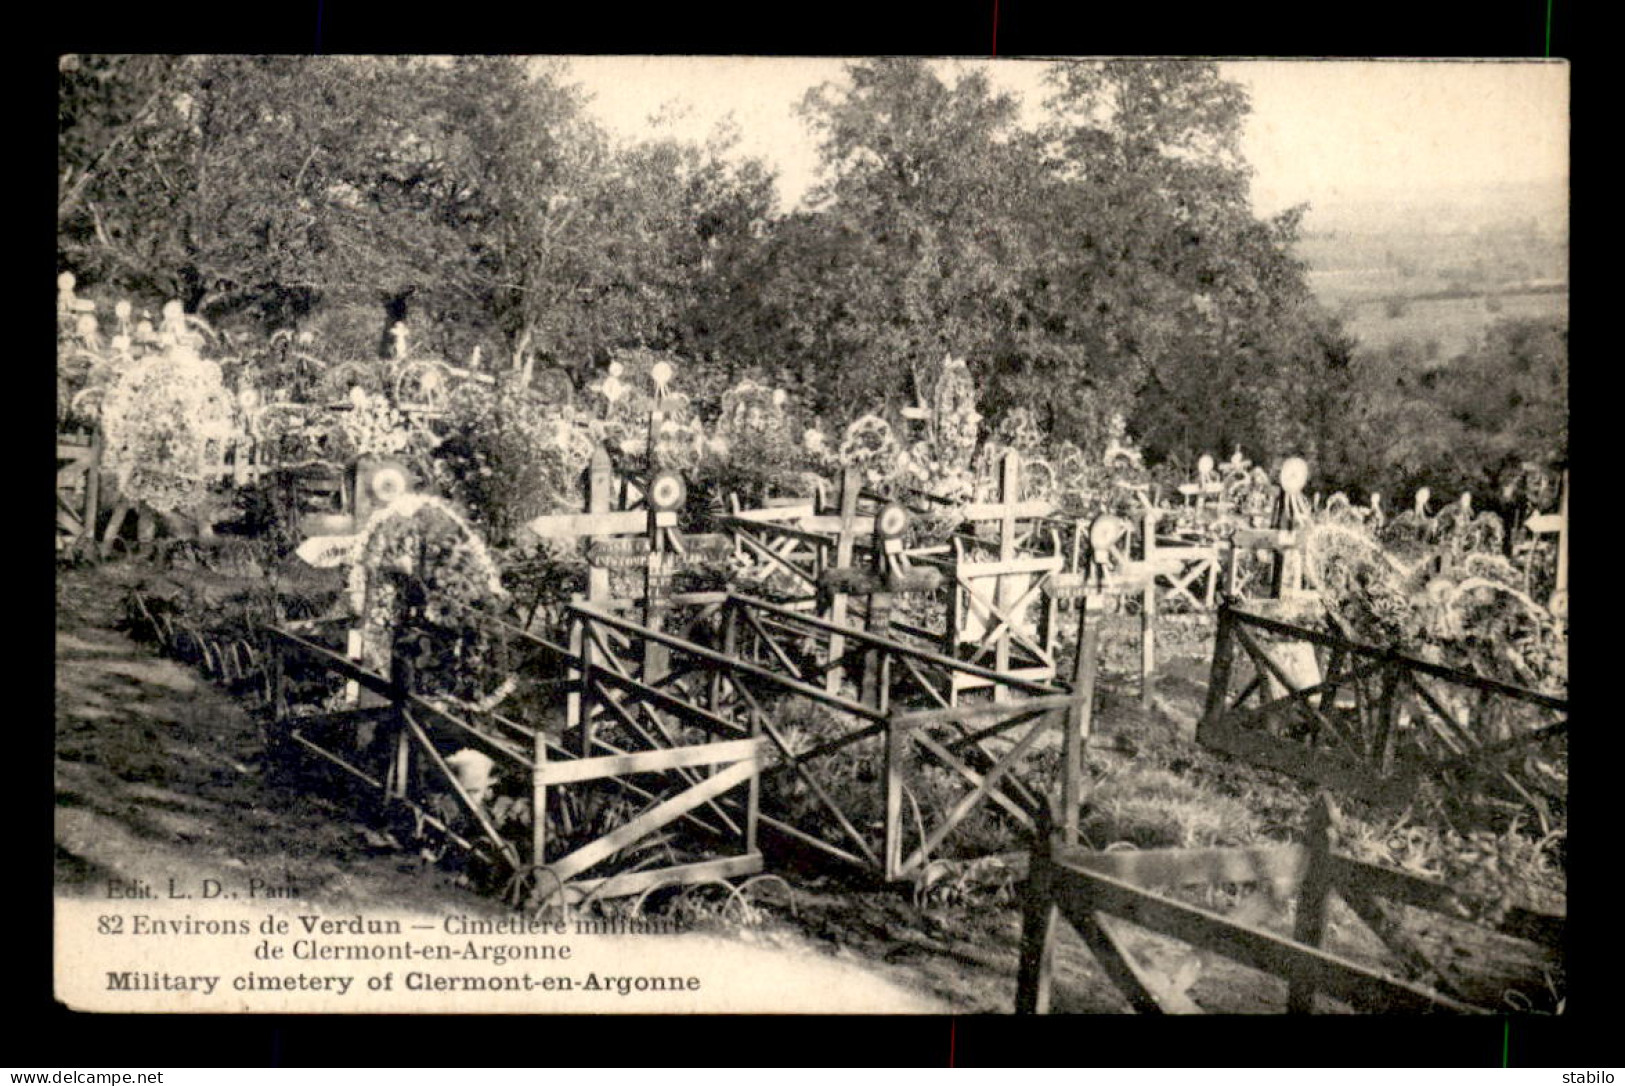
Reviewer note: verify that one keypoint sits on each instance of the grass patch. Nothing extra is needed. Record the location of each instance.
(1154, 808)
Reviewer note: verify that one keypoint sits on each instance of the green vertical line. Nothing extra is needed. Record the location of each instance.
(1548, 29)
(1506, 1023)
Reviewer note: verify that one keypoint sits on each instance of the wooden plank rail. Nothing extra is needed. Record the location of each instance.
(472, 806)
(757, 547)
(729, 663)
(654, 818)
(373, 782)
(795, 619)
(689, 713)
(967, 714)
(1410, 663)
(1279, 865)
(984, 788)
(771, 515)
(658, 739)
(1087, 887)
(1520, 922)
(468, 734)
(1403, 731)
(1080, 892)
(423, 728)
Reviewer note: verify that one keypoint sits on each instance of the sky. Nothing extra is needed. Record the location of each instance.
(1319, 132)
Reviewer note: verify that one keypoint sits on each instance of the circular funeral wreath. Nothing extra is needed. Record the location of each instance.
(161, 420)
(418, 567)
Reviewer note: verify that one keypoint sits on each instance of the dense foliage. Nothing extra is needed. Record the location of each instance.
(1102, 272)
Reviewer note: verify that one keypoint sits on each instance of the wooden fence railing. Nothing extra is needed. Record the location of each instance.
(889, 671)
(398, 744)
(1375, 722)
(651, 734)
(767, 653)
(1094, 891)
(78, 490)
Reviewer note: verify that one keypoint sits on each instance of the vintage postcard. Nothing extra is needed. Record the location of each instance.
(889, 535)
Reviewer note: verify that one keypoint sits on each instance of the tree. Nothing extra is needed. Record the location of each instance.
(913, 249)
(1391, 435)
(1196, 320)
(118, 119)
(260, 184)
(579, 247)
(1509, 396)
(1108, 265)
(1469, 424)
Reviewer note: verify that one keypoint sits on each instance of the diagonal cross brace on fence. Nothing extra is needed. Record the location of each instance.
(1405, 734)
(1088, 888)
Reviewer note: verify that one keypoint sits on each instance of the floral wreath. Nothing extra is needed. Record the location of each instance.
(423, 538)
(160, 420)
(869, 445)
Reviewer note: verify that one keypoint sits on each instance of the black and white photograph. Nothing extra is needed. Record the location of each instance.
(901, 535)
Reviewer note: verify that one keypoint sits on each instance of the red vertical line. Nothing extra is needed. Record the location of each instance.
(996, 31)
(952, 1022)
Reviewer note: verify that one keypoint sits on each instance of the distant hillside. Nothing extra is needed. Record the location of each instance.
(1439, 267)
(1528, 209)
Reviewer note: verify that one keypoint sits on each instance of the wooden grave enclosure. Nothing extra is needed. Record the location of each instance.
(1006, 568)
(402, 746)
(792, 538)
(1096, 892)
(78, 491)
(695, 742)
(633, 547)
(814, 549)
(766, 653)
(843, 564)
(997, 608)
(1189, 568)
(1373, 721)
(1001, 612)
(79, 498)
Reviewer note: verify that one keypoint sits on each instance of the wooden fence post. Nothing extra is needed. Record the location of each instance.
(538, 799)
(574, 702)
(1218, 683)
(1148, 611)
(753, 794)
(1560, 592)
(398, 775)
(1007, 590)
(1078, 721)
(896, 751)
(586, 654)
(1385, 729)
(876, 692)
(851, 487)
(1309, 927)
(1038, 917)
(277, 694)
(730, 645)
(600, 496)
(86, 543)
